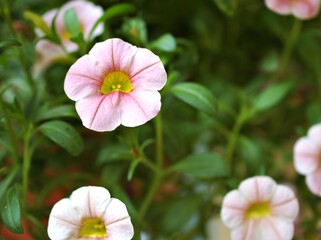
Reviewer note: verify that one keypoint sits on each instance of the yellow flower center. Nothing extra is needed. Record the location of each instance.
(116, 81)
(93, 228)
(258, 210)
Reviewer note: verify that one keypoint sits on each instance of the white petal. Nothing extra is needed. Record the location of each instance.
(306, 156)
(233, 209)
(64, 221)
(258, 189)
(313, 181)
(90, 202)
(315, 134)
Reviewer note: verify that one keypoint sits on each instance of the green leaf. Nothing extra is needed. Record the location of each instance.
(166, 43)
(113, 11)
(114, 153)
(10, 211)
(271, 96)
(135, 30)
(195, 95)
(203, 165)
(226, 6)
(7, 181)
(180, 212)
(37, 21)
(64, 135)
(132, 169)
(9, 43)
(56, 112)
(72, 23)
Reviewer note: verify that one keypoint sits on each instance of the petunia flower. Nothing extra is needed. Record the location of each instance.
(260, 209)
(302, 9)
(90, 213)
(87, 14)
(116, 83)
(307, 158)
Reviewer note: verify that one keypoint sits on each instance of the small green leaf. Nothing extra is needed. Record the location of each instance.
(132, 169)
(195, 95)
(203, 165)
(56, 112)
(114, 153)
(6, 182)
(9, 43)
(113, 11)
(226, 6)
(37, 21)
(180, 212)
(71, 22)
(271, 96)
(166, 43)
(10, 211)
(64, 135)
(135, 30)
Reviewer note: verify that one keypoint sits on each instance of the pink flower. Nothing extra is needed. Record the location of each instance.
(90, 213)
(307, 158)
(303, 9)
(87, 14)
(260, 209)
(116, 83)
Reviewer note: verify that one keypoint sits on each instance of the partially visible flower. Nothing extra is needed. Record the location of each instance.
(87, 14)
(303, 9)
(307, 158)
(90, 213)
(116, 83)
(260, 209)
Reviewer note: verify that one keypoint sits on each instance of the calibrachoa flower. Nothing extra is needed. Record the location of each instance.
(87, 14)
(307, 158)
(90, 213)
(260, 209)
(303, 9)
(116, 83)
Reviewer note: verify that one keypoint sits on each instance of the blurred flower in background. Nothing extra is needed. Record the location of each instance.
(87, 14)
(307, 158)
(260, 209)
(302, 9)
(116, 83)
(90, 213)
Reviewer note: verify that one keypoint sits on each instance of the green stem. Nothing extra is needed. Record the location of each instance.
(27, 155)
(233, 138)
(157, 177)
(289, 46)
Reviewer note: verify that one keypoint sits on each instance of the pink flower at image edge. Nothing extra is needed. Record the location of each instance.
(116, 83)
(260, 209)
(307, 158)
(302, 9)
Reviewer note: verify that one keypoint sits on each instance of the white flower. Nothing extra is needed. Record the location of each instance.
(90, 213)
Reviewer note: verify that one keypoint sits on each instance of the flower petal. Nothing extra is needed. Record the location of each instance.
(117, 220)
(305, 9)
(233, 209)
(100, 112)
(313, 181)
(84, 78)
(284, 203)
(90, 202)
(64, 222)
(258, 189)
(138, 107)
(279, 6)
(306, 156)
(147, 71)
(315, 134)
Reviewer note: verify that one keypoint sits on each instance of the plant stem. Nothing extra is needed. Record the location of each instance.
(233, 137)
(27, 154)
(159, 173)
(288, 48)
